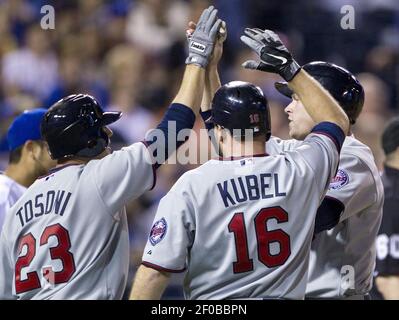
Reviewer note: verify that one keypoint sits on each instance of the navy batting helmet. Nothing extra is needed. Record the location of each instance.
(74, 125)
(241, 105)
(339, 82)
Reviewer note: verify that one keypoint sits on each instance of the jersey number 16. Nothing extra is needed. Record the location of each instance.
(264, 238)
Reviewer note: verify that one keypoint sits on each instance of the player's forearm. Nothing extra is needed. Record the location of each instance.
(179, 117)
(389, 287)
(192, 87)
(320, 105)
(149, 284)
(212, 84)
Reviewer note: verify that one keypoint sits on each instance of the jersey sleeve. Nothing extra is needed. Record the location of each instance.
(353, 186)
(387, 242)
(6, 271)
(171, 235)
(124, 175)
(320, 152)
(172, 132)
(276, 145)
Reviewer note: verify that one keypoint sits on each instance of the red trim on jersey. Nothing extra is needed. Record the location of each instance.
(241, 157)
(51, 171)
(330, 136)
(159, 268)
(154, 171)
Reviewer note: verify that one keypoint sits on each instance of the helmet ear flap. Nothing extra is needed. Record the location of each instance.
(92, 144)
(96, 145)
(353, 94)
(104, 136)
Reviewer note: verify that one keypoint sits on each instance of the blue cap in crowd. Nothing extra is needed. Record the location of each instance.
(25, 127)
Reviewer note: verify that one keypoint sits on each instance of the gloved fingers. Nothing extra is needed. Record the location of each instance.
(204, 17)
(211, 21)
(254, 34)
(250, 64)
(215, 28)
(253, 44)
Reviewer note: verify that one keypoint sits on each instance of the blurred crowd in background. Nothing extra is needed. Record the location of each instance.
(130, 55)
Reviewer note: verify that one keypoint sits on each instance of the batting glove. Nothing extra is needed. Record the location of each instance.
(203, 38)
(274, 56)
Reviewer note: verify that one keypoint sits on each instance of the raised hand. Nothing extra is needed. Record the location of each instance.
(274, 56)
(202, 40)
(218, 48)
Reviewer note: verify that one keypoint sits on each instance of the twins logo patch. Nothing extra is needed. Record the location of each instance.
(340, 180)
(158, 231)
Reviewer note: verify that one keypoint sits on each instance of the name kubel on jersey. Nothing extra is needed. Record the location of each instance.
(250, 187)
(242, 227)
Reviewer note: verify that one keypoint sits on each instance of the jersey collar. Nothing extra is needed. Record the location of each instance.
(51, 171)
(242, 157)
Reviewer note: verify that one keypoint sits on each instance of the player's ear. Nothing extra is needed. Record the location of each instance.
(29, 149)
(34, 148)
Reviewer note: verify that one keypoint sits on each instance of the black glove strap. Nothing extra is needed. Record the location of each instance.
(289, 71)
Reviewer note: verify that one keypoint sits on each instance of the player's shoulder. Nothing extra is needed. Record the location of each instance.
(354, 169)
(140, 146)
(277, 145)
(357, 167)
(275, 141)
(355, 155)
(136, 152)
(354, 146)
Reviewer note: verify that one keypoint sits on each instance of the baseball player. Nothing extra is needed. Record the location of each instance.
(28, 159)
(242, 225)
(387, 263)
(342, 258)
(67, 236)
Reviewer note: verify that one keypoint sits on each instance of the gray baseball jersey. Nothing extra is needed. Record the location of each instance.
(67, 236)
(242, 227)
(10, 192)
(342, 259)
